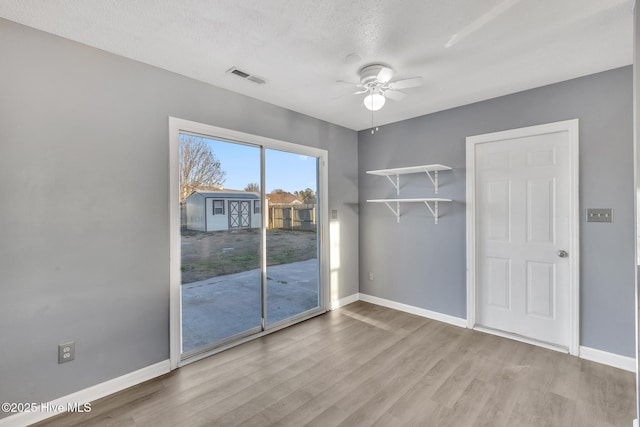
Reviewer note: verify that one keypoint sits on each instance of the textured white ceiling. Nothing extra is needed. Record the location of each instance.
(302, 47)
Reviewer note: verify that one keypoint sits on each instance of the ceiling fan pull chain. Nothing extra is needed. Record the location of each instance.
(372, 130)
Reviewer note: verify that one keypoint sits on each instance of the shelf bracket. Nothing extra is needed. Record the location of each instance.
(434, 210)
(395, 211)
(396, 183)
(434, 179)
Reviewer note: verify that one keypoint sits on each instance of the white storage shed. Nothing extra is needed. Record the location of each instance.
(223, 210)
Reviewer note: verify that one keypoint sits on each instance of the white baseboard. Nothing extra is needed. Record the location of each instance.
(445, 318)
(55, 407)
(344, 301)
(606, 358)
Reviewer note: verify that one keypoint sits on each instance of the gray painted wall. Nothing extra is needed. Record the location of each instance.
(422, 264)
(84, 226)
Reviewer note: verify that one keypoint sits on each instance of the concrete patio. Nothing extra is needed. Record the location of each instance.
(224, 306)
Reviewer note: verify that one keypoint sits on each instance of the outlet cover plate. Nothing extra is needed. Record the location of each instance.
(66, 352)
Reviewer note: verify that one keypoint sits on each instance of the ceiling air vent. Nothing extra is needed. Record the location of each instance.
(247, 76)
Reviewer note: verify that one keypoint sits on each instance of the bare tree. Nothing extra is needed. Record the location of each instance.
(252, 187)
(199, 166)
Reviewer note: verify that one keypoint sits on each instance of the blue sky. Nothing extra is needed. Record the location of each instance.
(287, 171)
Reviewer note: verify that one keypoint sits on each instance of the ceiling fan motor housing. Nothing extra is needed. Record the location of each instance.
(369, 74)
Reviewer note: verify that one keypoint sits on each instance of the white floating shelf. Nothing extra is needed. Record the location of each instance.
(428, 169)
(421, 199)
(427, 201)
(410, 169)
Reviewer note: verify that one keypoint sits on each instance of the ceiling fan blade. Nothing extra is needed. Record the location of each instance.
(384, 75)
(406, 83)
(396, 95)
(360, 91)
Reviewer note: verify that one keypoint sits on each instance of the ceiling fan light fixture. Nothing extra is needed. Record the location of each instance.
(374, 101)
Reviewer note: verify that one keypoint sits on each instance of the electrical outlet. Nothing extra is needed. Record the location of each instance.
(371, 276)
(334, 214)
(66, 352)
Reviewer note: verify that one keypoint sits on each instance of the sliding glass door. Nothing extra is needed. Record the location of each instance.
(220, 241)
(249, 239)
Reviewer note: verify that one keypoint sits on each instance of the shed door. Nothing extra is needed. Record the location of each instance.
(239, 214)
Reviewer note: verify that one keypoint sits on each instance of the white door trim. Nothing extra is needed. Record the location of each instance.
(176, 126)
(570, 126)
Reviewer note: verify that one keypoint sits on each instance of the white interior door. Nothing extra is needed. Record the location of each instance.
(523, 234)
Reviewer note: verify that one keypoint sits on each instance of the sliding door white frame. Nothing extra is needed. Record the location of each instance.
(176, 126)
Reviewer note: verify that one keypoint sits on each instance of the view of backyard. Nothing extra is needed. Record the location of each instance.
(222, 215)
(221, 287)
(210, 254)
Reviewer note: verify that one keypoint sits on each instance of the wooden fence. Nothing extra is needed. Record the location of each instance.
(292, 217)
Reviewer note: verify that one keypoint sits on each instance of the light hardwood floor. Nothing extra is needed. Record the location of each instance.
(365, 365)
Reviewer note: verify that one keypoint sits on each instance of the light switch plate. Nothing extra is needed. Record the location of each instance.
(600, 215)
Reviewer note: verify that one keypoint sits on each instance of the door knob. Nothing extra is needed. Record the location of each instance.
(563, 254)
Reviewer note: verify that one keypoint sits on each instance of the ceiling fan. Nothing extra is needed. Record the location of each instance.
(375, 81)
